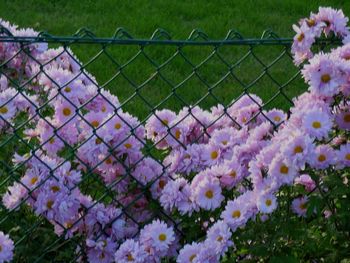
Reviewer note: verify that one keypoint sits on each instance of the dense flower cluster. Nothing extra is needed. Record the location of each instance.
(229, 163)
(326, 22)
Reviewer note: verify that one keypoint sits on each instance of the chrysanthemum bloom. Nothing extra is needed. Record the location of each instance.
(147, 170)
(344, 156)
(219, 236)
(322, 157)
(6, 248)
(297, 148)
(130, 251)
(157, 126)
(101, 251)
(229, 173)
(306, 181)
(236, 214)
(189, 253)
(177, 194)
(267, 203)
(282, 171)
(334, 20)
(317, 124)
(64, 111)
(210, 155)
(276, 116)
(157, 236)
(342, 119)
(14, 196)
(208, 193)
(323, 75)
(207, 254)
(299, 206)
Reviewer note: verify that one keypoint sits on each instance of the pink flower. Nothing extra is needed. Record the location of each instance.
(322, 75)
(306, 181)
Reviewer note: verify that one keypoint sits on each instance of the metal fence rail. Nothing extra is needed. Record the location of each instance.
(146, 75)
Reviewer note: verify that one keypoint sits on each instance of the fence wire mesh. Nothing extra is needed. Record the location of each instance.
(147, 76)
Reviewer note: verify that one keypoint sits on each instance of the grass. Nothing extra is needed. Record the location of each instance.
(178, 18)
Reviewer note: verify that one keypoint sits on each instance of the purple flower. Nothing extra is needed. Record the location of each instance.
(130, 251)
(157, 237)
(6, 248)
(218, 236)
(189, 253)
(299, 206)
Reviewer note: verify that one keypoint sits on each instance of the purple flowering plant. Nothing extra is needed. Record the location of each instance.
(234, 184)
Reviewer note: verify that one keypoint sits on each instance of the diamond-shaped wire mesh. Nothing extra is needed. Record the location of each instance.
(146, 76)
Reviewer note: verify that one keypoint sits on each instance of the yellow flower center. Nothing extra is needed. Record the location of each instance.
(300, 37)
(108, 161)
(209, 194)
(95, 124)
(165, 122)
(310, 22)
(236, 214)
(303, 206)
(52, 140)
(214, 155)
(225, 142)
(127, 145)
(268, 202)
(298, 149)
(0, 248)
(219, 238)
(98, 141)
(67, 112)
(244, 120)
(277, 118)
(68, 225)
(284, 169)
(177, 134)
(347, 117)
(49, 204)
(316, 124)
(161, 184)
(347, 157)
(162, 237)
(233, 174)
(33, 180)
(192, 257)
(67, 89)
(117, 126)
(103, 109)
(55, 188)
(321, 158)
(3, 110)
(325, 78)
(129, 257)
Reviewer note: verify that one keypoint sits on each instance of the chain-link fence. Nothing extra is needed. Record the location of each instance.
(67, 144)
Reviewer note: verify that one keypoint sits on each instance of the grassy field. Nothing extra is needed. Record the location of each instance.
(178, 18)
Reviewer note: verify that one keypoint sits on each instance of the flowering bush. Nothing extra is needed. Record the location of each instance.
(232, 183)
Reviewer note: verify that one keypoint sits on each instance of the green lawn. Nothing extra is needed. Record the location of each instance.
(178, 18)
